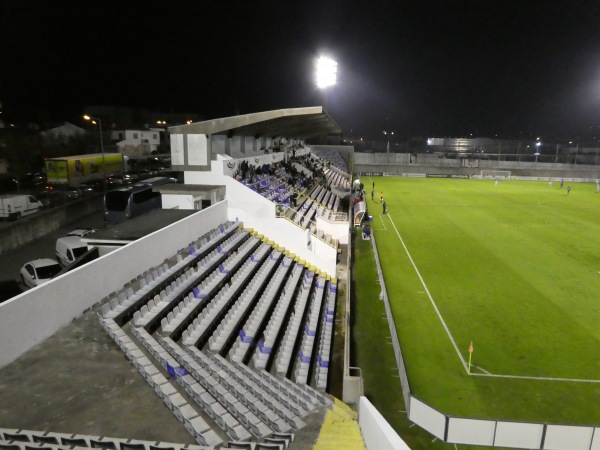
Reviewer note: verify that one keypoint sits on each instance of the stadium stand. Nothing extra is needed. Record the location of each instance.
(202, 329)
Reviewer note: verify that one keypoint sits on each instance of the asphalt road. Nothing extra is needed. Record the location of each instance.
(44, 247)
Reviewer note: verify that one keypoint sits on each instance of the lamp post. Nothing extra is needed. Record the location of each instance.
(95, 121)
(387, 135)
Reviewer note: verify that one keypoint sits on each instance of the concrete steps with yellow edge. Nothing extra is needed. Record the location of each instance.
(340, 429)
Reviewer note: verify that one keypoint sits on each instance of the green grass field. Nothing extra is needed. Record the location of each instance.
(514, 268)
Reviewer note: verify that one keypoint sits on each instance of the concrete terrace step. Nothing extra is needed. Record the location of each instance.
(340, 429)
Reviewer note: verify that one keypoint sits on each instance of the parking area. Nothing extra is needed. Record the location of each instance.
(44, 247)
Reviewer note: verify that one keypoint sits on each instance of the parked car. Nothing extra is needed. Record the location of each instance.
(72, 192)
(51, 198)
(130, 177)
(32, 179)
(70, 247)
(86, 189)
(81, 232)
(39, 271)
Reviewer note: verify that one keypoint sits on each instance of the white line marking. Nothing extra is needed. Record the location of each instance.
(526, 377)
(462, 360)
(482, 369)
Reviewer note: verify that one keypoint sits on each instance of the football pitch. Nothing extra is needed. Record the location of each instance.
(512, 267)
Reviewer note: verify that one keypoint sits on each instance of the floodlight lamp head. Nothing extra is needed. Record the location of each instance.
(326, 72)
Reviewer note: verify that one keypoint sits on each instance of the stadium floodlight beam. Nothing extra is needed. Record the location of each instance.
(326, 72)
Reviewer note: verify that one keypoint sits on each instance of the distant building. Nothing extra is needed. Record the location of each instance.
(136, 142)
(64, 131)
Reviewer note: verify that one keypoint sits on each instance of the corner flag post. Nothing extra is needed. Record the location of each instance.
(470, 355)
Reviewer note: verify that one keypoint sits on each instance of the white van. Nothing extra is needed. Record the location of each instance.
(14, 206)
(68, 249)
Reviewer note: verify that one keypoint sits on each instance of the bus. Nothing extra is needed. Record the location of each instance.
(127, 202)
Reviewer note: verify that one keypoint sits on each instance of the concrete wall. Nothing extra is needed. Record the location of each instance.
(33, 316)
(27, 229)
(432, 164)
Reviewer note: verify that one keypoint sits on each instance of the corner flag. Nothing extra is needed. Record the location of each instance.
(470, 354)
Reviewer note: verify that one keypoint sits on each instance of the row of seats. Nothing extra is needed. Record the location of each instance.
(249, 330)
(129, 298)
(279, 410)
(19, 439)
(320, 202)
(334, 177)
(263, 351)
(232, 318)
(217, 307)
(332, 157)
(298, 396)
(184, 412)
(284, 355)
(182, 284)
(199, 293)
(223, 407)
(310, 333)
(197, 426)
(324, 350)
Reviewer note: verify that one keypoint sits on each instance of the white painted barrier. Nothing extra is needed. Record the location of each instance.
(377, 433)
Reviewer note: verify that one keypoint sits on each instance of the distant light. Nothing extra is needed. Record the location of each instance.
(538, 143)
(326, 72)
(86, 117)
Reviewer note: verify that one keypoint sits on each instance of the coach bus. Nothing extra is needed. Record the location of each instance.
(127, 202)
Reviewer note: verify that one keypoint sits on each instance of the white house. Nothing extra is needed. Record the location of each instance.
(134, 143)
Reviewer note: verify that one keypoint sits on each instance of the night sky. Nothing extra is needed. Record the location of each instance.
(419, 68)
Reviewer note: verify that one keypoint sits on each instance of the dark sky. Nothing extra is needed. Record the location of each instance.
(430, 68)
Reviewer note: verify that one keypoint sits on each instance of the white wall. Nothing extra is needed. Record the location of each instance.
(337, 230)
(377, 433)
(35, 315)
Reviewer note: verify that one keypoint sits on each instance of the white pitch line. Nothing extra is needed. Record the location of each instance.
(526, 377)
(462, 360)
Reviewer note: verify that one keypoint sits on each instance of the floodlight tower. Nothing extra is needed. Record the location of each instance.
(325, 74)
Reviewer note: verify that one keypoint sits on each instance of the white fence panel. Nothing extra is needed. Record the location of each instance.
(471, 431)
(596, 440)
(565, 437)
(427, 418)
(377, 433)
(519, 435)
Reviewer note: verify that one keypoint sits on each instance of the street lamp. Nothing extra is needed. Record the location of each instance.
(95, 121)
(537, 151)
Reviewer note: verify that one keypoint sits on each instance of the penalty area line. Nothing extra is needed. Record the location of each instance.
(437, 311)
